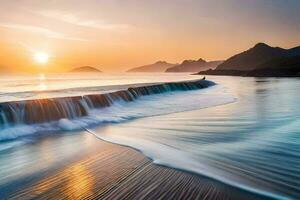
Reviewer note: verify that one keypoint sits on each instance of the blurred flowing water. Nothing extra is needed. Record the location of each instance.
(243, 131)
(253, 143)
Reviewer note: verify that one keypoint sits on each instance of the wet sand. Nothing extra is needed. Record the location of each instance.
(116, 172)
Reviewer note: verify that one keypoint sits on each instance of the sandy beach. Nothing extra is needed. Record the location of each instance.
(116, 172)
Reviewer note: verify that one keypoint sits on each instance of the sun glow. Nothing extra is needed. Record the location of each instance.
(41, 57)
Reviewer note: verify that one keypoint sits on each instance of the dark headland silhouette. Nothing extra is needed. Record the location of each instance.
(261, 60)
(194, 66)
(160, 66)
(85, 69)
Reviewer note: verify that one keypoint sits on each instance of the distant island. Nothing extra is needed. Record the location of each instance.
(261, 60)
(159, 66)
(85, 69)
(194, 66)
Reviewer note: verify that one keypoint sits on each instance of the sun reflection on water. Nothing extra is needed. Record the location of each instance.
(42, 77)
(42, 85)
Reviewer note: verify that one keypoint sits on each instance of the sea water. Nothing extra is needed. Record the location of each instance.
(242, 131)
(252, 143)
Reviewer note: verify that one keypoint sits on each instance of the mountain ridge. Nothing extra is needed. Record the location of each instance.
(159, 66)
(261, 60)
(85, 69)
(194, 66)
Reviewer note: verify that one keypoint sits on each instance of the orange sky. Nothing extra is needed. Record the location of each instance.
(119, 34)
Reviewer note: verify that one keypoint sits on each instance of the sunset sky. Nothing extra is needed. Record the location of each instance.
(115, 35)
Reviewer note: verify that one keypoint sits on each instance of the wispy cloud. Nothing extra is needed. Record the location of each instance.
(40, 30)
(75, 20)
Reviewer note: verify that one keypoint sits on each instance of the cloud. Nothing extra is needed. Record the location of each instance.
(75, 20)
(40, 30)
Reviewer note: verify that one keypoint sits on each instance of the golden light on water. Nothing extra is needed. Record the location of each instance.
(42, 85)
(41, 57)
(42, 77)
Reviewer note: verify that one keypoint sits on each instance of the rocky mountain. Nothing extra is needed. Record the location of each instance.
(160, 66)
(283, 66)
(250, 59)
(85, 69)
(261, 60)
(194, 66)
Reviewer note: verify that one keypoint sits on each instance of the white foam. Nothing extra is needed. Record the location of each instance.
(171, 157)
(17, 131)
(145, 106)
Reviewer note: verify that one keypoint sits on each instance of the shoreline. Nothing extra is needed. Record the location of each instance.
(244, 74)
(116, 172)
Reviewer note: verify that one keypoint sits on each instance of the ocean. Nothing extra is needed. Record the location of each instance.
(241, 131)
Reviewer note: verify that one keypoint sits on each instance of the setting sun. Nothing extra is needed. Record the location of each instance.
(41, 57)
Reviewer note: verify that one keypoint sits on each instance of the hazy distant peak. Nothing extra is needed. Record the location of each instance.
(161, 62)
(85, 69)
(194, 66)
(201, 60)
(186, 61)
(159, 66)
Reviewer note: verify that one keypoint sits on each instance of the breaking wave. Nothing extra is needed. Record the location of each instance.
(23, 118)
